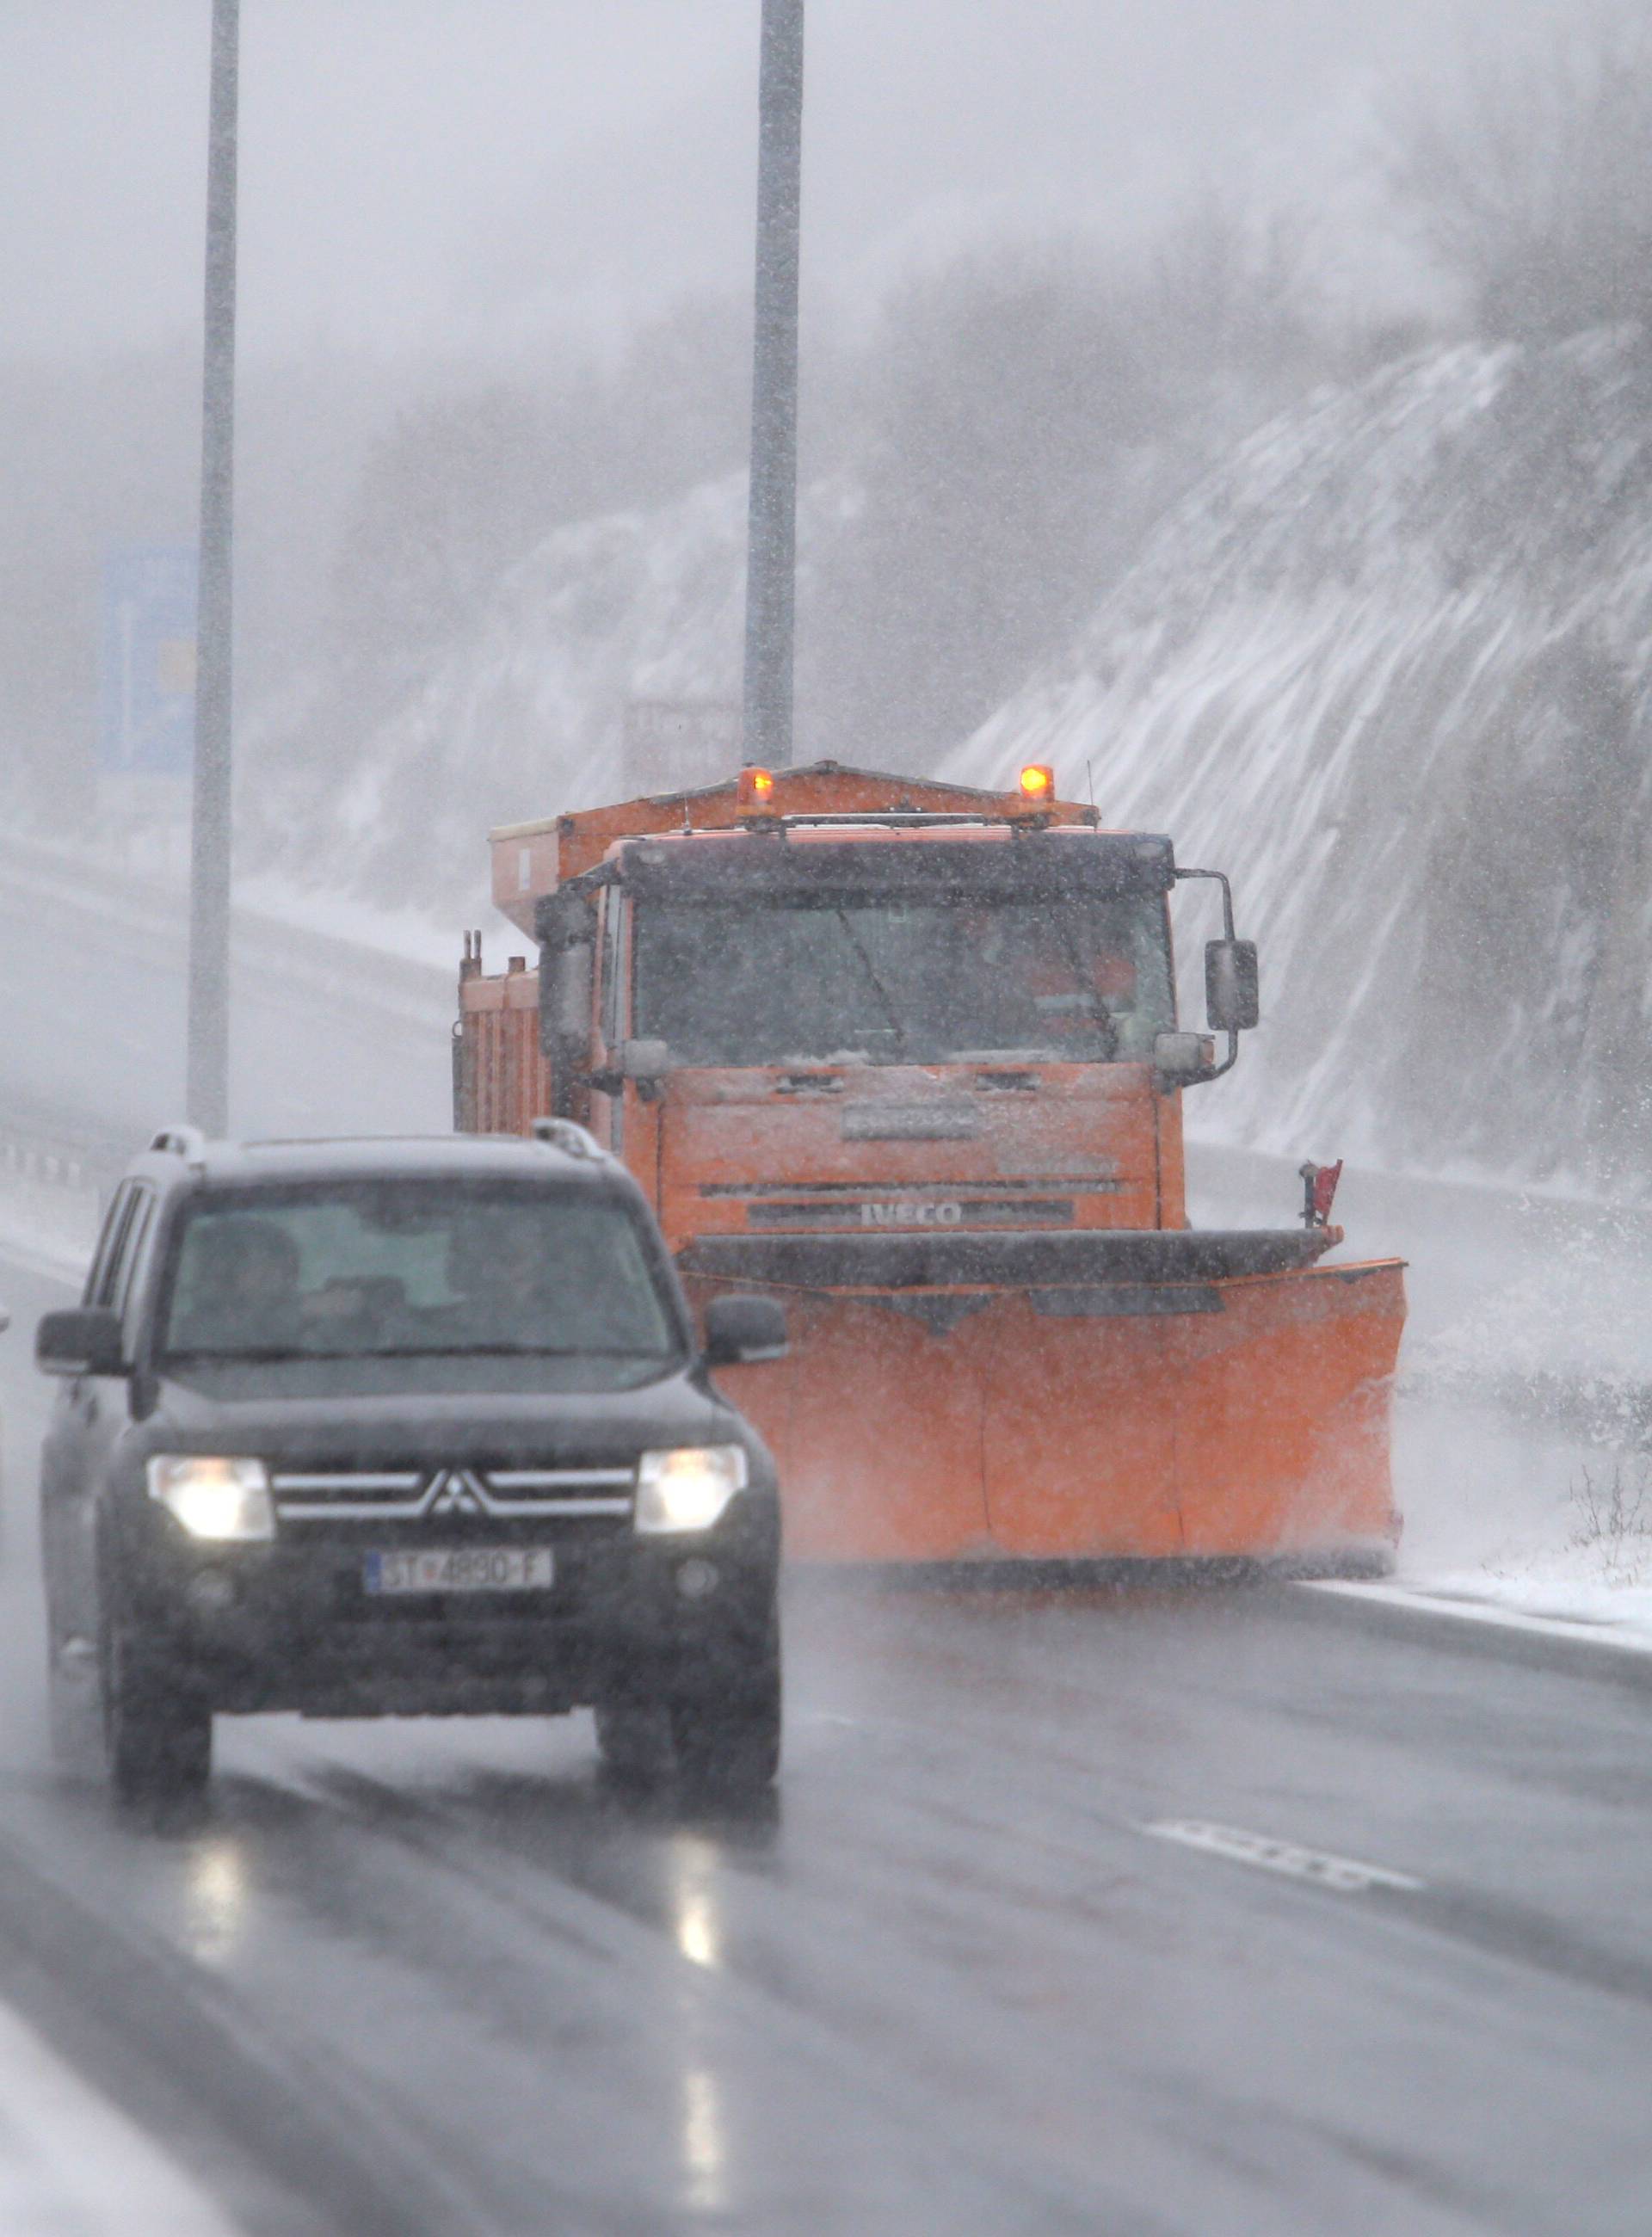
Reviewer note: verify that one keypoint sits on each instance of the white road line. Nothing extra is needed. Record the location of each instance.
(1345, 1874)
(1595, 1630)
(72, 2165)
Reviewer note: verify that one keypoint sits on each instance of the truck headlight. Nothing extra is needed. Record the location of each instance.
(690, 1489)
(213, 1498)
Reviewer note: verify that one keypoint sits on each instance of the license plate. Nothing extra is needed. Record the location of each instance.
(461, 1569)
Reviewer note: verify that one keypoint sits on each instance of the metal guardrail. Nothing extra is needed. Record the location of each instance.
(35, 1161)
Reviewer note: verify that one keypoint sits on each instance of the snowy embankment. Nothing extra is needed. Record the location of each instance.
(525, 716)
(1388, 667)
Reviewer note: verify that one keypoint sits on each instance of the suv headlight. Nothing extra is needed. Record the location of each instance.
(213, 1498)
(690, 1489)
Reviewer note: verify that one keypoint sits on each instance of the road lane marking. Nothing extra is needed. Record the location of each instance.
(1346, 1875)
(1627, 1632)
(70, 2161)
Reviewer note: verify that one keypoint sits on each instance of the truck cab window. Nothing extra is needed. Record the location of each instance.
(1077, 980)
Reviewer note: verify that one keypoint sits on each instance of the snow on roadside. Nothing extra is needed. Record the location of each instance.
(1524, 1446)
(314, 934)
(1610, 1618)
(72, 2161)
(407, 934)
(1514, 1516)
(48, 1229)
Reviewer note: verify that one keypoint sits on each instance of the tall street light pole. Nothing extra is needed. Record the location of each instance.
(207, 1069)
(772, 562)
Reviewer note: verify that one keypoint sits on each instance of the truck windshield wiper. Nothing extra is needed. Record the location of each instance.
(1100, 1017)
(867, 965)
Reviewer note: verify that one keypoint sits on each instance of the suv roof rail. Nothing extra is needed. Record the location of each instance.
(563, 1134)
(185, 1141)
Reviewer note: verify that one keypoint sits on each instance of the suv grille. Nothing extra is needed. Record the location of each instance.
(420, 1494)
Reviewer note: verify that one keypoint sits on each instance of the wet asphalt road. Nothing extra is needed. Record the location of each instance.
(441, 1977)
(403, 1978)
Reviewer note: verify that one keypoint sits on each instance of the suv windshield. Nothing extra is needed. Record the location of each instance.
(416, 1268)
(1067, 980)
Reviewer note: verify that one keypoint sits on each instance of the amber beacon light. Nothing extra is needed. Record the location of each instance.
(755, 792)
(1037, 784)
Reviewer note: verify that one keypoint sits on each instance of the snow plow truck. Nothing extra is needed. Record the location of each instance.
(905, 1056)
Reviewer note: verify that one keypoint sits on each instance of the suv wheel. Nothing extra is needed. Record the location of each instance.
(158, 1738)
(635, 1740)
(728, 1741)
(72, 1706)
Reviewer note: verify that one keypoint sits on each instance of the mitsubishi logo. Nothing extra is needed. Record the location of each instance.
(455, 1491)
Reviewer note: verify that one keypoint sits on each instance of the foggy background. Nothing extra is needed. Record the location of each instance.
(1066, 269)
(504, 210)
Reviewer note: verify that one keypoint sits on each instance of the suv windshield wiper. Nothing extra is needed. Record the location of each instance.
(273, 1355)
(256, 1355)
(504, 1351)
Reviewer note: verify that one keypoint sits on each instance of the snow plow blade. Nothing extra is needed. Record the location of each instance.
(1109, 1397)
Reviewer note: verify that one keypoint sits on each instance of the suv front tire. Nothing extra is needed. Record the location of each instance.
(157, 1735)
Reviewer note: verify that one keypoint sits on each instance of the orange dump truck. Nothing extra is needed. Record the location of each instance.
(905, 1057)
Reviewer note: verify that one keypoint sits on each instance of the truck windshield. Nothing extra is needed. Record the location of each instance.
(412, 1269)
(1069, 980)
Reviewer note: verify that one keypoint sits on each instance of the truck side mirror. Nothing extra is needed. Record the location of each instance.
(1232, 999)
(566, 925)
(1183, 1059)
(741, 1330)
(83, 1340)
(646, 1062)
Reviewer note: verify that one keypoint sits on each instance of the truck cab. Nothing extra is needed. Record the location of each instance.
(907, 1057)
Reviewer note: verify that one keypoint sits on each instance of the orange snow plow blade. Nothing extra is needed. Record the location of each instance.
(1242, 1418)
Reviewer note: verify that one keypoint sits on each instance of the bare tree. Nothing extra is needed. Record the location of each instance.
(1533, 187)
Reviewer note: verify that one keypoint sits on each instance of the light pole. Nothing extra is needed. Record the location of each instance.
(208, 1068)
(771, 561)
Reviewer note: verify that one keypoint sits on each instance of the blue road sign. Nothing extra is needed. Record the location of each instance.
(148, 723)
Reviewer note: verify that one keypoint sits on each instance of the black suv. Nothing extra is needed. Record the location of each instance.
(406, 1428)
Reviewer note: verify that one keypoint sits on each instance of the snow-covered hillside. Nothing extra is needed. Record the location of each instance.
(524, 717)
(1390, 668)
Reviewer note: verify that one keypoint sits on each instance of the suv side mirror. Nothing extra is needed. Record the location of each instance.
(84, 1340)
(1232, 1002)
(741, 1330)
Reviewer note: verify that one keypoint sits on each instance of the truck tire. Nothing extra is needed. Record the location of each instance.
(727, 1742)
(157, 1738)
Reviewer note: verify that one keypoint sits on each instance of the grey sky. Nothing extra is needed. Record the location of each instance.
(463, 174)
